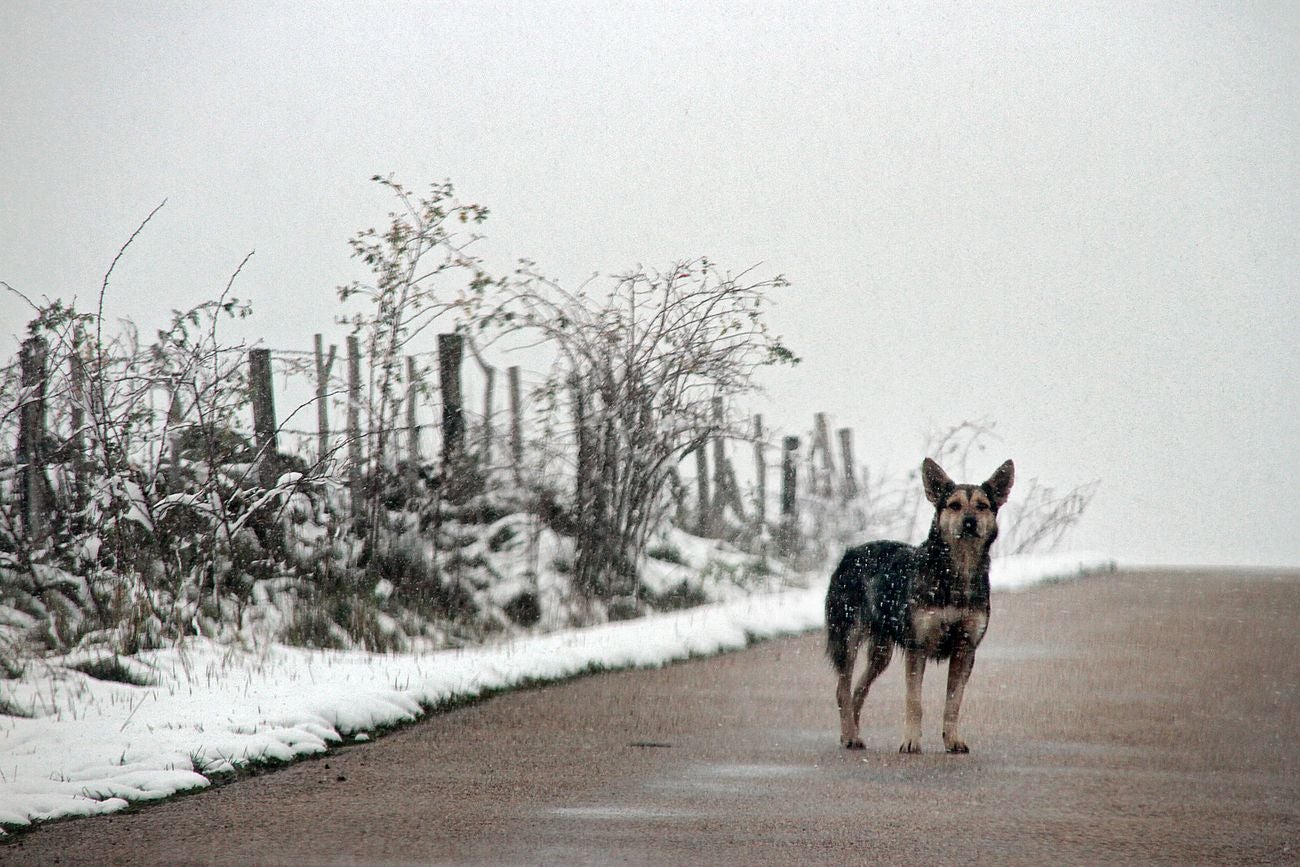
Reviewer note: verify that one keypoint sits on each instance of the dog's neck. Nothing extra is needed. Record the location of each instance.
(968, 557)
(959, 569)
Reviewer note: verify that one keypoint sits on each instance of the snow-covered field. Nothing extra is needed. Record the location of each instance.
(92, 746)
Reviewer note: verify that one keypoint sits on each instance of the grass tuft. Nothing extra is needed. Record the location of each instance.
(111, 669)
(9, 707)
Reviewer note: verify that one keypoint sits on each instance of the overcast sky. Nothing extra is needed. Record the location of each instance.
(1078, 221)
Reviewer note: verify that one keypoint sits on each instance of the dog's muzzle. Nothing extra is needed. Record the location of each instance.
(969, 526)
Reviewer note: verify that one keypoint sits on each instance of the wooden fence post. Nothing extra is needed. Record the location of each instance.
(263, 399)
(80, 465)
(33, 487)
(789, 477)
(788, 531)
(412, 428)
(846, 458)
(719, 447)
(175, 416)
(704, 501)
(450, 351)
(516, 423)
(486, 431)
(726, 491)
(323, 366)
(720, 497)
(354, 427)
(489, 410)
(760, 476)
(733, 491)
(822, 443)
(582, 488)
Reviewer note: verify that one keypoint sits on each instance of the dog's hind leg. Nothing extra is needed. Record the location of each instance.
(959, 669)
(915, 673)
(877, 661)
(844, 695)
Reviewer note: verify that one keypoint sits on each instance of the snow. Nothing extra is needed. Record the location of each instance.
(1019, 572)
(93, 746)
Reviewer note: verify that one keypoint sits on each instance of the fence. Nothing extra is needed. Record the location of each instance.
(372, 435)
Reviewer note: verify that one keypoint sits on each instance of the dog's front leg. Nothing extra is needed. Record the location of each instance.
(959, 669)
(915, 672)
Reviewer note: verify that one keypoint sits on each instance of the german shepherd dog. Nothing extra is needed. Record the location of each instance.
(931, 599)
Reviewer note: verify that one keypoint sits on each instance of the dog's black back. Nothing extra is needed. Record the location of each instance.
(869, 591)
(877, 585)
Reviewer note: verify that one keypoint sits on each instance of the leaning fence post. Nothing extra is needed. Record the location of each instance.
(720, 497)
(584, 477)
(33, 487)
(516, 425)
(175, 417)
(323, 366)
(760, 476)
(412, 427)
(726, 491)
(263, 400)
(733, 491)
(489, 402)
(354, 426)
(80, 464)
(703, 499)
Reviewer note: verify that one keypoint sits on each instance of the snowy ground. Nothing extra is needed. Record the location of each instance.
(93, 746)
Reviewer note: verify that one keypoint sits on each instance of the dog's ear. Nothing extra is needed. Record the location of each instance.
(999, 484)
(935, 481)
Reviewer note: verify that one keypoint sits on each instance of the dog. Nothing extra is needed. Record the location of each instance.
(930, 599)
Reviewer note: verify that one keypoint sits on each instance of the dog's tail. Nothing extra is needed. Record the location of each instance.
(846, 601)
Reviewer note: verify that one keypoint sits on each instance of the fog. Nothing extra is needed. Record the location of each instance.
(1079, 223)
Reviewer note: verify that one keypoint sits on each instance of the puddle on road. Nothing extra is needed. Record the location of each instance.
(747, 772)
(614, 812)
(706, 779)
(729, 779)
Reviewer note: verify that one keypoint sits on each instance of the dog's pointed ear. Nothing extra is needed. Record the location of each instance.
(935, 481)
(999, 484)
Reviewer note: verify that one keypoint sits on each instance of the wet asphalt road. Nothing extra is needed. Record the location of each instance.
(1131, 718)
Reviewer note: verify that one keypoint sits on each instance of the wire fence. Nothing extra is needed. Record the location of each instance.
(266, 405)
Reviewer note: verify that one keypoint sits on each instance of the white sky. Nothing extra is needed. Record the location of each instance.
(1076, 220)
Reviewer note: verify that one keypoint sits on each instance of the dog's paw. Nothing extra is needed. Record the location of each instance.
(954, 744)
(911, 746)
(853, 744)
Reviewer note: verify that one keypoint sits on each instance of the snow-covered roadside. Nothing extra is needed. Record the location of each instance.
(95, 745)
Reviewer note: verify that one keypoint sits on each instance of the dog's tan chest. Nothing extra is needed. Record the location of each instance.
(967, 560)
(931, 625)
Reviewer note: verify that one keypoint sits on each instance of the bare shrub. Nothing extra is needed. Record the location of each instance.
(421, 273)
(640, 367)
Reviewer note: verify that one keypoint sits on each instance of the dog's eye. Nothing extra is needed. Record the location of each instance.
(983, 507)
(956, 507)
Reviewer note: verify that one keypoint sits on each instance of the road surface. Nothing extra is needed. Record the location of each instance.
(1142, 717)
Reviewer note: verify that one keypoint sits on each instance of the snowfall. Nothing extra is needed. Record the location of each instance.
(93, 746)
